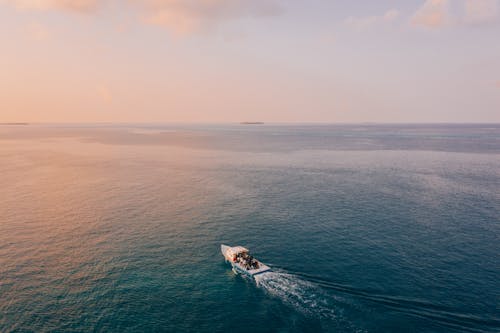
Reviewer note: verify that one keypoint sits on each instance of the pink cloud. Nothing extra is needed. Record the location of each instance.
(437, 14)
(362, 23)
(481, 11)
(178, 16)
(433, 14)
(70, 5)
(187, 16)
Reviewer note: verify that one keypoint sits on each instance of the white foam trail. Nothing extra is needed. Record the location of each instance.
(302, 295)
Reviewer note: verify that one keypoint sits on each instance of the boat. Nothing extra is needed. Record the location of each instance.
(242, 262)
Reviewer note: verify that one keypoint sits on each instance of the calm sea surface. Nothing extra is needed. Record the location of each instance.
(368, 228)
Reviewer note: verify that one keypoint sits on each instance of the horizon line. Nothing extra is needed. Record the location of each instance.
(245, 123)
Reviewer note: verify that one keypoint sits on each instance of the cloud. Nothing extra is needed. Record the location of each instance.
(187, 16)
(362, 23)
(179, 16)
(391, 15)
(481, 11)
(69, 5)
(436, 14)
(433, 14)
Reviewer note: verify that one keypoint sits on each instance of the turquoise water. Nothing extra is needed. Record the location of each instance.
(369, 228)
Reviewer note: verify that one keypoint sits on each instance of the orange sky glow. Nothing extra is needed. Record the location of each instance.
(235, 60)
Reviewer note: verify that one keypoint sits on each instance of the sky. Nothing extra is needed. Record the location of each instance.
(333, 61)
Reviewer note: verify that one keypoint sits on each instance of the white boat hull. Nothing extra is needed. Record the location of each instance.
(228, 251)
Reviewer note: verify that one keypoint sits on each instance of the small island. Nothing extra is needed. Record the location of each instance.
(252, 123)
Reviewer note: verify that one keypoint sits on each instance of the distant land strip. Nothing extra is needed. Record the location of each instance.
(14, 124)
(252, 123)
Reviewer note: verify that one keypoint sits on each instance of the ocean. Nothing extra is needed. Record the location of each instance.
(367, 227)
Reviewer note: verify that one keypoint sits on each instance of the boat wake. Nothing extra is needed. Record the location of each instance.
(308, 298)
(324, 300)
(305, 296)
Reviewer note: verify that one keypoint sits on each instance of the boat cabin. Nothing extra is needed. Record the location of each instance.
(233, 253)
(242, 261)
